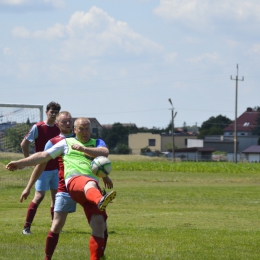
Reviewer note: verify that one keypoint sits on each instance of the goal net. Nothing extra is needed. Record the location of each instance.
(15, 122)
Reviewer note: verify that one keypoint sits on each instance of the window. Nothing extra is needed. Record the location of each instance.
(246, 123)
(151, 142)
(94, 130)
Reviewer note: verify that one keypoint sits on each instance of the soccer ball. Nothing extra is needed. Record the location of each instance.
(101, 166)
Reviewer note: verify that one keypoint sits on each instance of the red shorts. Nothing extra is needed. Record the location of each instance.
(75, 188)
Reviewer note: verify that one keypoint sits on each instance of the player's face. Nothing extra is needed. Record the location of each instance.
(83, 131)
(51, 114)
(65, 124)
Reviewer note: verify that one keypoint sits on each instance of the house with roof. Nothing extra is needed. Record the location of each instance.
(195, 153)
(246, 123)
(252, 153)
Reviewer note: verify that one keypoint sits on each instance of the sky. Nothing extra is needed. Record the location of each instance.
(121, 61)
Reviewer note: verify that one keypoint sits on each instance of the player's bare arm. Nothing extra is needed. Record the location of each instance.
(92, 151)
(32, 160)
(34, 177)
(25, 147)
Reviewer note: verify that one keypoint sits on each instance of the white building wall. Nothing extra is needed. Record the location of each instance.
(194, 143)
(254, 157)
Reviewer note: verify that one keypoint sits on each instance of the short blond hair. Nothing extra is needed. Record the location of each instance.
(63, 113)
(81, 119)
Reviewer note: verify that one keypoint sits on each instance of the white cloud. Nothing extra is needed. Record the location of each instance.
(7, 51)
(256, 48)
(232, 43)
(206, 57)
(170, 57)
(203, 11)
(21, 32)
(57, 31)
(93, 33)
(24, 69)
(53, 3)
(14, 2)
(101, 33)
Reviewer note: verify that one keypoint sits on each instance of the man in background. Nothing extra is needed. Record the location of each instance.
(40, 133)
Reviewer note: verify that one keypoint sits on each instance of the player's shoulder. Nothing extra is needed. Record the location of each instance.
(100, 143)
(56, 127)
(39, 123)
(99, 140)
(56, 139)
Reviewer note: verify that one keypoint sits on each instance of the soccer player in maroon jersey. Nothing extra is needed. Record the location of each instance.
(40, 133)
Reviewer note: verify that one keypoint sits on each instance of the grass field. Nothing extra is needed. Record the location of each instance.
(157, 215)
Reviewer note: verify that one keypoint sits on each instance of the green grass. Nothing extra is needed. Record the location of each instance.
(157, 215)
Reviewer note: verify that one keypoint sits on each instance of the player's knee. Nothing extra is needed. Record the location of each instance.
(90, 184)
(56, 227)
(97, 225)
(39, 197)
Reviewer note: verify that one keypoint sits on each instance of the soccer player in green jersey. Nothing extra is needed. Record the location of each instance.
(77, 154)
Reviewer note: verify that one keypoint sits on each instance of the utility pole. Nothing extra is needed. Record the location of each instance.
(235, 124)
(173, 116)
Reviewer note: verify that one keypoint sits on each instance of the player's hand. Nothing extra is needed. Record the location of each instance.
(12, 166)
(25, 194)
(77, 147)
(108, 182)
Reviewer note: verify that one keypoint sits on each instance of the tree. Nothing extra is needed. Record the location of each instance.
(13, 137)
(193, 129)
(145, 150)
(214, 126)
(215, 131)
(118, 134)
(168, 129)
(123, 149)
(185, 128)
(168, 146)
(153, 130)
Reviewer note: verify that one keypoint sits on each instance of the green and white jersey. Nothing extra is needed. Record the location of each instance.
(77, 163)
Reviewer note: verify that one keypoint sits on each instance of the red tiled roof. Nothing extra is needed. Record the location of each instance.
(245, 123)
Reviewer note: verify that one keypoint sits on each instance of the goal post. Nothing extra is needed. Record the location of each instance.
(15, 122)
(24, 106)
